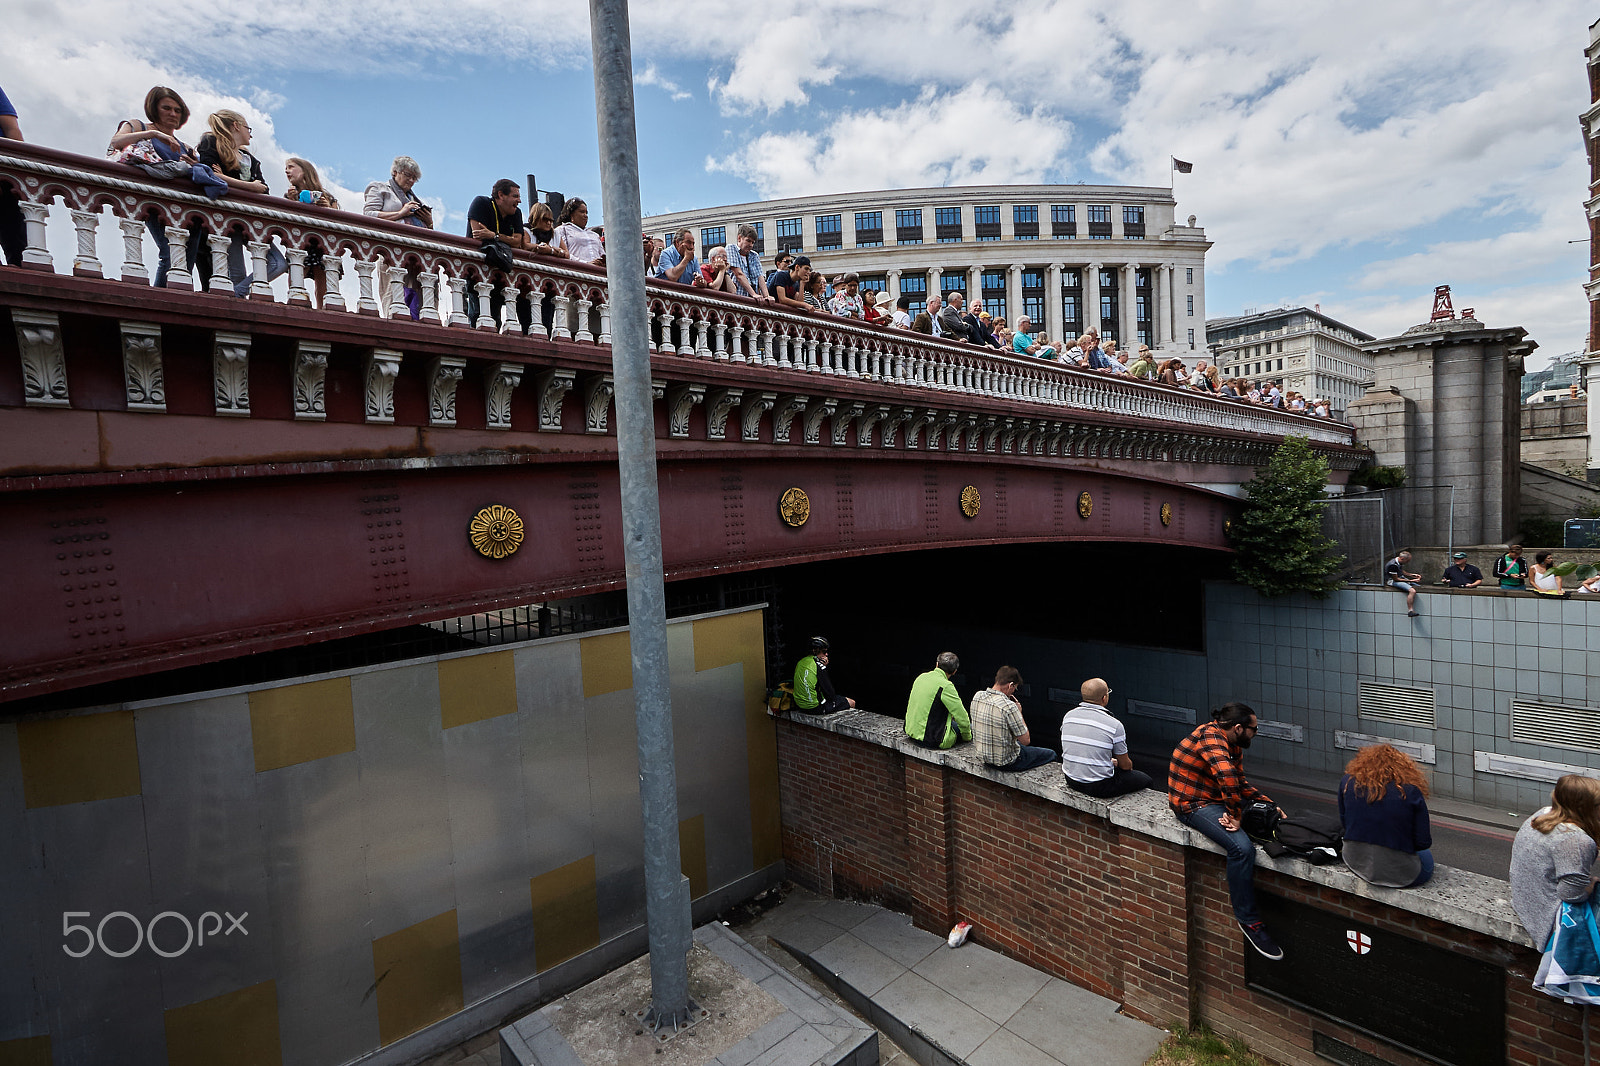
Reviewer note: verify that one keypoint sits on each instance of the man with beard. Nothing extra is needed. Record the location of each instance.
(1208, 791)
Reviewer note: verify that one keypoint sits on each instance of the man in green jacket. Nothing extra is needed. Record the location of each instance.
(935, 715)
(813, 688)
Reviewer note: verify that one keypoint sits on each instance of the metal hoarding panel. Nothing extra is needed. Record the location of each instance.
(713, 766)
(22, 1003)
(311, 822)
(489, 843)
(206, 855)
(404, 812)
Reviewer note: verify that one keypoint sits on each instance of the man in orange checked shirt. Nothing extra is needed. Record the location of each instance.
(1207, 789)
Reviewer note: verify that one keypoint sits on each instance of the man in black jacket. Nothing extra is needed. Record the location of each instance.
(952, 321)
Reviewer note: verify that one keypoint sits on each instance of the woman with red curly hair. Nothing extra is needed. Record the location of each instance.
(1383, 805)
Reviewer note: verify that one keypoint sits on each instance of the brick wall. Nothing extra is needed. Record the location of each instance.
(1111, 898)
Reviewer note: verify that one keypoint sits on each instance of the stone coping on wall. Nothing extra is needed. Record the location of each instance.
(1455, 897)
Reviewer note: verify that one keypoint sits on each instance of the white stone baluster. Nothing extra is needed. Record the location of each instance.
(332, 281)
(536, 319)
(260, 287)
(428, 289)
(605, 323)
(719, 340)
(220, 281)
(485, 290)
(86, 264)
(365, 302)
(583, 333)
(702, 327)
(782, 349)
(510, 322)
(664, 322)
(735, 348)
(457, 288)
(35, 254)
(133, 268)
(685, 323)
(559, 328)
(768, 339)
(298, 296)
(178, 276)
(395, 283)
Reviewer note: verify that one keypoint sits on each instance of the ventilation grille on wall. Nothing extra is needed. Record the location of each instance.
(1396, 703)
(1146, 709)
(1558, 724)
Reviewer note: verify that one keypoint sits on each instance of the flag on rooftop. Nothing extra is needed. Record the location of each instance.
(1181, 167)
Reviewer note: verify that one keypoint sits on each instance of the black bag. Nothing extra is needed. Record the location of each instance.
(497, 254)
(1316, 838)
(1260, 821)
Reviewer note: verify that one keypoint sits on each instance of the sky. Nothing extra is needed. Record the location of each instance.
(1352, 155)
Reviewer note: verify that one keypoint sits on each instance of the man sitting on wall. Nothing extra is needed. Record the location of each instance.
(998, 731)
(1094, 747)
(1396, 576)
(935, 717)
(1463, 575)
(1207, 789)
(813, 688)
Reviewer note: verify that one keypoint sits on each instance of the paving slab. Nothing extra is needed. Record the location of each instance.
(895, 936)
(1006, 1048)
(862, 966)
(936, 1014)
(995, 985)
(1079, 1028)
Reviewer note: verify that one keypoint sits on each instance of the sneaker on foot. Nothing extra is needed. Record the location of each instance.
(1413, 614)
(1262, 940)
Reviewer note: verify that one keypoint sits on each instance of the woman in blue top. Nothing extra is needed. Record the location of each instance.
(1383, 805)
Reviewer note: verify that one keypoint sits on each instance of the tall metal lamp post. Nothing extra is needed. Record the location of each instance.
(666, 889)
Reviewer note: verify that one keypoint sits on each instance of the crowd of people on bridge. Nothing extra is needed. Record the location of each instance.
(1383, 833)
(1511, 573)
(221, 163)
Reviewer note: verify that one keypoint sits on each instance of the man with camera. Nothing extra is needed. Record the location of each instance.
(496, 220)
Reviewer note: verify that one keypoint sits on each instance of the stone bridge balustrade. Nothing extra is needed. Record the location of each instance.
(366, 264)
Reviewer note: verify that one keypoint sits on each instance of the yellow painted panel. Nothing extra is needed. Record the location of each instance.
(418, 975)
(74, 760)
(477, 687)
(239, 1028)
(738, 638)
(28, 1051)
(299, 723)
(692, 854)
(607, 664)
(566, 913)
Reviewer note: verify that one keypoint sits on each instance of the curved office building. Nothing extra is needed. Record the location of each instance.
(1070, 256)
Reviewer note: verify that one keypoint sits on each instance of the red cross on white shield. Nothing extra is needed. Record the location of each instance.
(1360, 943)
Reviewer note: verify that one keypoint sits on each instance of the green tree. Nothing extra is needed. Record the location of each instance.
(1278, 537)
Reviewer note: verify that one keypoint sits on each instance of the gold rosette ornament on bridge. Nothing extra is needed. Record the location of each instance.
(971, 500)
(1166, 514)
(794, 507)
(1085, 505)
(496, 531)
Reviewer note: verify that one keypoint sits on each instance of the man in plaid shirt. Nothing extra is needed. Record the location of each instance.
(998, 731)
(1207, 789)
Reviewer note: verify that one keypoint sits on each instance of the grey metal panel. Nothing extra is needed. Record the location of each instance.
(22, 1003)
(554, 748)
(197, 768)
(713, 766)
(405, 815)
(315, 846)
(100, 1009)
(488, 834)
(617, 818)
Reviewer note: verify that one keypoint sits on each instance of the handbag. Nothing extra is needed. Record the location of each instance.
(497, 254)
(1570, 967)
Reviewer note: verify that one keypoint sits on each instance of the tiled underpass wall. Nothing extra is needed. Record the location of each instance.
(1122, 899)
(1301, 662)
(414, 850)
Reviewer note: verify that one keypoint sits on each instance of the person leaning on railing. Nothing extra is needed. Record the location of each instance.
(152, 145)
(717, 273)
(13, 234)
(583, 244)
(225, 150)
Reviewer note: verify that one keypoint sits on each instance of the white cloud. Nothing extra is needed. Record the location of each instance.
(931, 140)
(652, 77)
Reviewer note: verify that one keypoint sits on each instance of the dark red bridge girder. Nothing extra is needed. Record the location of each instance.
(111, 581)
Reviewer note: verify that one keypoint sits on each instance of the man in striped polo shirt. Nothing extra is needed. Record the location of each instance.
(1094, 747)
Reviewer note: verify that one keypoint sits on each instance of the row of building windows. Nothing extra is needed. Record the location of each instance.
(947, 227)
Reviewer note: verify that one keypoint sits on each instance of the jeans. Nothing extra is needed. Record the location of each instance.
(1426, 855)
(1241, 858)
(1120, 783)
(13, 230)
(1028, 758)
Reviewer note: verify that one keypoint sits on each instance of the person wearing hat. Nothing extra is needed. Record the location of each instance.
(1462, 575)
(813, 688)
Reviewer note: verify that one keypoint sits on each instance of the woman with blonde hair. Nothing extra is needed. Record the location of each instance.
(1383, 805)
(223, 149)
(1553, 853)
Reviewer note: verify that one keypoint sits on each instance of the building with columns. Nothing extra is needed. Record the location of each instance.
(1069, 256)
(1310, 353)
(1589, 122)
